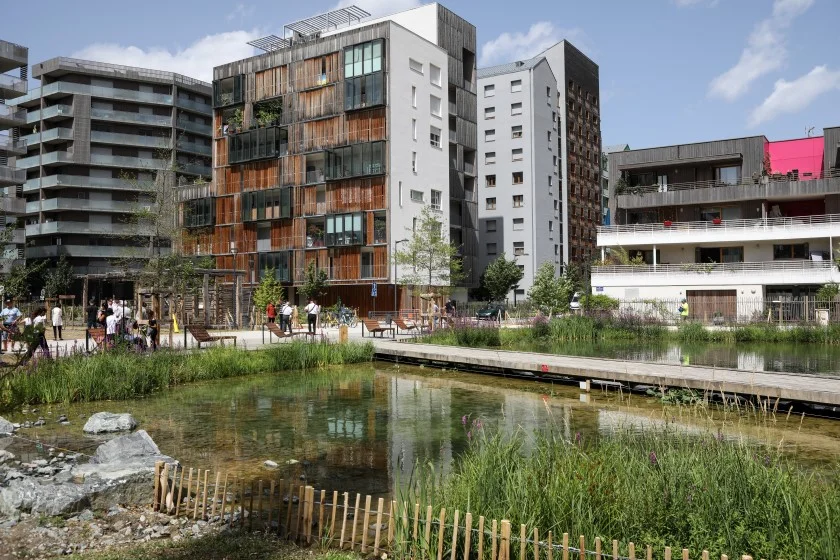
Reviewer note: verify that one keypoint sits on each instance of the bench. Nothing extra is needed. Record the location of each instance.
(373, 327)
(410, 327)
(200, 334)
(97, 335)
(274, 329)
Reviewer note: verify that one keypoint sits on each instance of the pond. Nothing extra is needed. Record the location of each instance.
(361, 428)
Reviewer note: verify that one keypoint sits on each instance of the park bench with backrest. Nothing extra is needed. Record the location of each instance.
(406, 326)
(373, 327)
(274, 328)
(201, 336)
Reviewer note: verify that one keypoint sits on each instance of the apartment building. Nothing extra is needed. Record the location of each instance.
(13, 59)
(539, 160)
(98, 136)
(605, 178)
(743, 218)
(328, 146)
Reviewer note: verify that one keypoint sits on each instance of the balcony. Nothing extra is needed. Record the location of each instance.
(703, 192)
(84, 205)
(11, 204)
(195, 127)
(50, 158)
(803, 227)
(12, 56)
(194, 148)
(158, 142)
(11, 176)
(196, 106)
(130, 118)
(11, 147)
(67, 88)
(11, 87)
(79, 228)
(50, 114)
(11, 116)
(63, 181)
(128, 162)
(195, 169)
(89, 251)
(49, 136)
(719, 274)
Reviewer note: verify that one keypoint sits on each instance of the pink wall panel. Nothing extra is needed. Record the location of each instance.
(804, 154)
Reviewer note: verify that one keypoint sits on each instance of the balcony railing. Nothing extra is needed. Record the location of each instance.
(198, 128)
(798, 223)
(744, 182)
(195, 169)
(803, 266)
(160, 142)
(79, 228)
(12, 146)
(128, 161)
(129, 117)
(194, 105)
(91, 251)
(58, 88)
(12, 85)
(60, 111)
(316, 176)
(194, 148)
(12, 114)
(49, 158)
(84, 205)
(61, 181)
(48, 136)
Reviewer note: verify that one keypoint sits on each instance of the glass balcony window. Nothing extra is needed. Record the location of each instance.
(260, 143)
(270, 204)
(198, 213)
(134, 118)
(345, 230)
(227, 91)
(279, 261)
(356, 161)
(363, 59)
(364, 91)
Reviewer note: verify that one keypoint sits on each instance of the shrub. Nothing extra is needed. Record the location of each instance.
(540, 327)
(478, 337)
(692, 332)
(599, 302)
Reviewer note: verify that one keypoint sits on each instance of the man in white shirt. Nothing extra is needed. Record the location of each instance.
(312, 310)
(287, 316)
(57, 321)
(110, 327)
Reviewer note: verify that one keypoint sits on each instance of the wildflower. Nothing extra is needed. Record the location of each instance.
(464, 420)
(767, 460)
(469, 435)
(653, 460)
(578, 437)
(719, 435)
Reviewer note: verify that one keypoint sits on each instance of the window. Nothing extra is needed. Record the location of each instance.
(490, 180)
(489, 113)
(489, 157)
(491, 226)
(550, 226)
(516, 108)
(228, 91)
(434, 75)
(257, 144)
(491, 249)
(414, 129)
(490, 203)
(518, 201)
(518, 224)
(436, 199)
(364, 91)
(415, 66)
(517, 177)
(279, 261)
(417, 196)
(728, 175)
(549, 138)
(434, 136)
(489, 90)
(548, 92)
(556, 250)
(794, 251)
(345, 229)
(550, 181)
(266, 205)
(516, 131)
(414, 162)
(515, 86)
(516, 154)
(518, 248)
(434, 105)
(356, 160)
(490, 135)
(414, 96)
(200, 212)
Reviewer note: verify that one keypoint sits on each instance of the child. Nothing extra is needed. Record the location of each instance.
(153, 331)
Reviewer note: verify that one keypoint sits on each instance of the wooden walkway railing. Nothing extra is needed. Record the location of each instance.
(304, 515)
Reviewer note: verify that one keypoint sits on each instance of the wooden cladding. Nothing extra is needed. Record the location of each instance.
(317, 71)
(355, 195)
(271, 82)
(318, 103)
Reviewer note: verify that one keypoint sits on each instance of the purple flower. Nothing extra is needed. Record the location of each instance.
(767, 460)
(469, 435)
(653, 460)
(578, 437)
(464, 420)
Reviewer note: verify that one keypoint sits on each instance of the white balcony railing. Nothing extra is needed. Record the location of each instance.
(743, 182)
(796, 222)
(803, 266)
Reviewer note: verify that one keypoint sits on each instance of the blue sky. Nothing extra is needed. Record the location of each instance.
(672, 71)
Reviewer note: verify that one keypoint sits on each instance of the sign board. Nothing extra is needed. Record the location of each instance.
(599, 289)
(373, 290)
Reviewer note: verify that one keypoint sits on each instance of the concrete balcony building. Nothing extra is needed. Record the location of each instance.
(96, 137)
(733, 218)
(13, 59)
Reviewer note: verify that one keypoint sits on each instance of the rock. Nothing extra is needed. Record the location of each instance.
(6, 456)
(62, 418)
(6, 427)
(27, 424)
(39, 422)
(270, 464)
(104, 422)
(292, 462)
(40, 462)
(86, 515)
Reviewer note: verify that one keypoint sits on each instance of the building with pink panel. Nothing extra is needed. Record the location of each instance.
(802, 157)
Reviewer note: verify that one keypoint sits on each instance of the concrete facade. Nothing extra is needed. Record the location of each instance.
(98, 137)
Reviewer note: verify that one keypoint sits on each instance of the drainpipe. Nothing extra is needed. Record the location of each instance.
(654, 258)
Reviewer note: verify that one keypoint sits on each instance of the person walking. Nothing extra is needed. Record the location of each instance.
(683, 309)
(153, 331)
(312, 310)
(270, 312)
(287, 316)
(10, 316)
(91, 314)
(57, 320)
(110, 327)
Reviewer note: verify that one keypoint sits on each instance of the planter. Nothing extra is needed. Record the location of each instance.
(667, 223)
(716, 221)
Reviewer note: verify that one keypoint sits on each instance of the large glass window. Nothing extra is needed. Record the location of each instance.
(227, 91)
(728, 175)
(345, 229)
(279, 261)
(270, 204)
(198, 213)
(362, 59)
(356, 160)
(364, 91)
(792, 251)
(259, 143)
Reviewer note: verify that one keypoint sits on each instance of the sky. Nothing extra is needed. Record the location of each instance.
(671, 71)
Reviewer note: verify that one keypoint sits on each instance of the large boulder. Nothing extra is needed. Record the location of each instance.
(137, 449)
(104, 422)
(6, 427)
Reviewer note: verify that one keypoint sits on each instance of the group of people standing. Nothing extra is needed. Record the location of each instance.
(115, 316)
(288, 315)
(34, 327)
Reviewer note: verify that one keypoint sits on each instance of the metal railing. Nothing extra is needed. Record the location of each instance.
(130, 139)
(132, 72)
(129, 117)
(83, 204)
(191, 126)
(79, 181)
(98, 91)
(59, 133)
(194, 105)
(194, 147)
(718, 268)
(12, 175)
(10, 112)
(797, 222)
(50, 112)
(12, 83)
(9, 144)
(128, 161)
(744, 182)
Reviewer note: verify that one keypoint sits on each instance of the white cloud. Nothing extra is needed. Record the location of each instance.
(196, 61)
(765, 52)
(378, 8)
(793, 96)
(509, 47)
(240, 12)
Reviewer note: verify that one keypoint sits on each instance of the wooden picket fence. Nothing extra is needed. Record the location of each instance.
(301, 514)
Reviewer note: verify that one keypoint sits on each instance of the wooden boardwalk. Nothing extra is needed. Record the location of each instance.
(783, 386)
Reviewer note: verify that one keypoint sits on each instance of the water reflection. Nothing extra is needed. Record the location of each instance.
(361, 429)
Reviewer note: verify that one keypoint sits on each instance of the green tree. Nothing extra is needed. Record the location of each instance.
(828, 292)
(18, 280)
(269, 291)
(500, 277)
(58, 279)
(314, 282)
(432, 258)
(549, 292)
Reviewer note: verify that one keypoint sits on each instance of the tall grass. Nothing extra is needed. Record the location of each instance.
(657, 487)
(760, 332)
(126, 375)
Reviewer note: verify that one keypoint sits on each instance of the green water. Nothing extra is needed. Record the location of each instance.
(361, 428)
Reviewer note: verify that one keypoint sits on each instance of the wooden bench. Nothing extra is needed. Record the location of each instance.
(373, 327)
(409, 327)
(201, 335)
(97, 335)
(274, 329)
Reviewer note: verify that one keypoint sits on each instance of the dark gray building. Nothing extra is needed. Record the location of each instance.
(13, 59)
(97, 136)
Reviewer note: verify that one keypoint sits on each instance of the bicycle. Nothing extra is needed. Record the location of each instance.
(349, 317)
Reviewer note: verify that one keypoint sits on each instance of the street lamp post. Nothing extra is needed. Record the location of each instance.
(396, 243)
